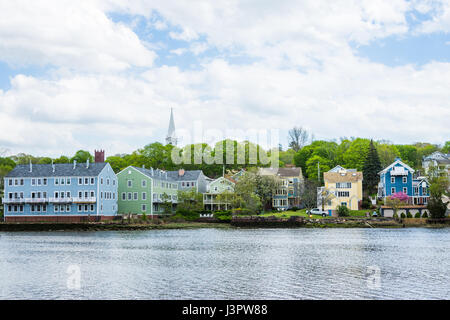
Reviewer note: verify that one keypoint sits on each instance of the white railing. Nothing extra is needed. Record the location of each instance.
(36, 200)
(61, 200)
(85, 200)
(13, 200)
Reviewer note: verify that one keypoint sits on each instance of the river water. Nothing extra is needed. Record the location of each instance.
(227, 264)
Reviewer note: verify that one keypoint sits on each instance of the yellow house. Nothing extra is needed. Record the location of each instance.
(344, 187)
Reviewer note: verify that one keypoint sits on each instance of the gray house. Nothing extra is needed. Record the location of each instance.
(188, 179)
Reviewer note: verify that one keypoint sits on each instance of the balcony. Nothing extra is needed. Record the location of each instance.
(36, 200)
(85, 200)
(61, 200)
(13, 200)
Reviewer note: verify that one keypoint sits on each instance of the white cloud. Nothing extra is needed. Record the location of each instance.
(305, 73)
(67, 34)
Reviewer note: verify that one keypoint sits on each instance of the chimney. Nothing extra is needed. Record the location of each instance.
(74, 164)
(181, 172)
(31, 166)
(53, 166)
(143, 166)
(99, 155)
(87, 164)
(151, 168)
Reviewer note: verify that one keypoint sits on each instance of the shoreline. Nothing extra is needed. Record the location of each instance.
(102, 226)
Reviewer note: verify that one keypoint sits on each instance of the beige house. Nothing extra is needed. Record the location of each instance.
(344, 187)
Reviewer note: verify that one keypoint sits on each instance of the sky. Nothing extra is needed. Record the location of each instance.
(93, 74)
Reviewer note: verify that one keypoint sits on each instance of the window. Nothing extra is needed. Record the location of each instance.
(55, 208)
(61, 208)
(155, 197)
(107, 182)
(86, 181)
(21, 182)
(10, 182)
(144, 208)
(9, 208)
(405, 179)
(80, 208)
(68, 181)
(92, 208)
(62, 181)
(68, 208)
(405, 190)
(114, 182)
(392, 179)
(21, 208)
(392, 190)
(130, 196)
(188, 184)
(92, 194)
(80, 181)
(56, 194)
(416, 190)
(16, 182)
(144, 183)
(33, 182)
(62, 194)
(56, 181)
(43, 180)
(86, 208)
(86, 194)
(124, 196)
(92, 181)
(68, 194)
(80, 194)
(135, 196)
(144, 195)
(101, 180)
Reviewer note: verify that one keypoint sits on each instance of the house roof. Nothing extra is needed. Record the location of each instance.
(348, 176)
(282, 172)
(61, 170)
(155, 174)
(189, 175)
(397, 161)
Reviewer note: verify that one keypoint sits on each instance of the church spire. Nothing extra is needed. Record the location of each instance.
(171, 138)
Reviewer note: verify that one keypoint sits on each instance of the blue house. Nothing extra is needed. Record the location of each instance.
(60, 192)
(399, 177)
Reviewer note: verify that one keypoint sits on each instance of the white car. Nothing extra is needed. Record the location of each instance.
(317, 211)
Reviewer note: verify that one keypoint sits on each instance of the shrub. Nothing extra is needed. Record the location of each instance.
(417, 215)
(395, 216)
(294, 208)
(186, 214)
(403, 216)
(343, 211)
(224, 216)
(409, 215)
(366, 203)
(144, 217)
(425, 215)
(242, 211)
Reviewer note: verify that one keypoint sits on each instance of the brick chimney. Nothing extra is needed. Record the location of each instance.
(99, 156)
(181, 172)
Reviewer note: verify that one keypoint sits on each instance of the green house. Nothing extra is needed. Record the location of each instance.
(143, 190)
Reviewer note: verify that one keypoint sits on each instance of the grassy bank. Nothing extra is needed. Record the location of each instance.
(302, 213)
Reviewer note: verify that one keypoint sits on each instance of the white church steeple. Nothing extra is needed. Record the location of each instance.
(171, 137)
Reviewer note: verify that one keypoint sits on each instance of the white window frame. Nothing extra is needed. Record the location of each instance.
(392, 179)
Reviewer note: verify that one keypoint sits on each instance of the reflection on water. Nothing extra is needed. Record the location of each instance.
(227, 264)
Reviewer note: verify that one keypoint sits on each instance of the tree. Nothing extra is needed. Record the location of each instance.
(309, 193)
(356, 153)
(314, 163)
(343, 211)
(409, 155)
(325, 195)
(387, 153)
(396, 201)
(82, 156)
(446, 147)
(190, 200)
(45, 160)
(370, 171)
(62, 159)
(298, 137)
(438, 187)
(166, 203)
(117, 163)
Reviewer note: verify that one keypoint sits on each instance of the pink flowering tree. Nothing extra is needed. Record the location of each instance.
(397, 200)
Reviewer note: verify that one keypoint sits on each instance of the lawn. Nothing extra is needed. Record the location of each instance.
(302, 213)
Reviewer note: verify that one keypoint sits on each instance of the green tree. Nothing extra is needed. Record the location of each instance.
(117, 163)
(166, 203)
(356, 153)
(312, 167)
(387, 153)
(45, 160)
(439, 185)
(409, 155)
(190, 200)
(370, 171)
(446, 147)
(82, 156)
(62, 159)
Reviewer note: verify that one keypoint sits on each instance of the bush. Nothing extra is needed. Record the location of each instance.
(343, 211)
(144, 217)
(366, 203)
(403, 216)
(395, 216)
(243, 211)
(409, 215)
(294, 208)
(417, 215)
(186, 214)
(224, 216)
(425, 215)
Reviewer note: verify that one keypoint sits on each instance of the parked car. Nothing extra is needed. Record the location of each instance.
(317, 211)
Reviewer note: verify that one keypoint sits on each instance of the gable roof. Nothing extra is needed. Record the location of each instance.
(189, 175)
(157, 174)
(282, 172)
(61, 170)
(397, 161)
(348, 176)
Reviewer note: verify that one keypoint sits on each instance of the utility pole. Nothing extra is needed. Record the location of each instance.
(318, 171)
